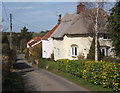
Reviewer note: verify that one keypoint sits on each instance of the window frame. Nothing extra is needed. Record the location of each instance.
(74, 51)
(105, 51)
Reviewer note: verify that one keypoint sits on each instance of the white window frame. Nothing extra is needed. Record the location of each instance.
(58, 52)
(106, 51)
(54, 51)
(73, 54)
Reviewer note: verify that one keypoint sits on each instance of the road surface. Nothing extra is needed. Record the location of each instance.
(41, 80)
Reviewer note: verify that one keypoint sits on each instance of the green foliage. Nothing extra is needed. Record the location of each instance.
(43, 63)
(5, 39)
(102, 73)
(105, 74)
(26, 53)
(110, 59)
(114, 28)
(91, 54)
(5, 49)
(13, 82)
(41, 34)
(16, 40)
(25, 36)
(13, 57)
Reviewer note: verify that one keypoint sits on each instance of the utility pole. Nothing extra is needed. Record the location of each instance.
(10, 31)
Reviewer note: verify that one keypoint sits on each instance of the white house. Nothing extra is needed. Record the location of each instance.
(74, 35)
(47, 42)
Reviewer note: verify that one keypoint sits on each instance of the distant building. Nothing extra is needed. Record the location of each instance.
(36, 41)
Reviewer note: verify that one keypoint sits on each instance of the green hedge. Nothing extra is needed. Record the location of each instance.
(106, 74)
(101, 73)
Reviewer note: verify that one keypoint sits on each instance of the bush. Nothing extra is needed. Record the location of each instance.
(42, 63)
(110, 59)
(101, 73)
(26, 53)
(91, 54)
(71, 66)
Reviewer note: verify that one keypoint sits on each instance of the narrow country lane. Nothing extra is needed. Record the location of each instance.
(41, 80)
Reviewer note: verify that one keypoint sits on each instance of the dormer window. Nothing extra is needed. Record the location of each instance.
(74, 50)
(105, 37)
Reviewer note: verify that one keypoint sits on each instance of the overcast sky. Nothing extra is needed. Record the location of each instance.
(36, 16)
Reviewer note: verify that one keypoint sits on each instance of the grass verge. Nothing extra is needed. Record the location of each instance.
(81, 82)
(13, 82)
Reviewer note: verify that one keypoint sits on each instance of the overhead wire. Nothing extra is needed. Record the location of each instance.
(19, 10)
(5, 27)
(5, 11)
(14, 13)
(30, 24)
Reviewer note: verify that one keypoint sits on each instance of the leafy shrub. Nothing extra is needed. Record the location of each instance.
(26, 53)
(91, 54)
(73, 67)
(110, 59)
(102, 73)
(42, 63)
(106, 74)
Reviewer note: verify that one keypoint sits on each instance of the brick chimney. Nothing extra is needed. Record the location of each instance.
(59, 19)
(80, 8)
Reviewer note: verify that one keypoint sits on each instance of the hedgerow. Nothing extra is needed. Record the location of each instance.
(106, 74)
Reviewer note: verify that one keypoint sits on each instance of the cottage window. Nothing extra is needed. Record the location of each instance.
(58, 50)
(104, 51)
(74, 50)
(105, 37)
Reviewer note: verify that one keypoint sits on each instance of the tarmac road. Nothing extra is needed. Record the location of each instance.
(41, 80)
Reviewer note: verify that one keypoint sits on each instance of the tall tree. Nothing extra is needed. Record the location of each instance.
(114, 28)
(16, 40)
(25, 36)
(96, 18)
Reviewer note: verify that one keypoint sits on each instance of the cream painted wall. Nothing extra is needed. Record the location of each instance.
(64, 45)
(84, 43)
(104, 42)
(47, 48)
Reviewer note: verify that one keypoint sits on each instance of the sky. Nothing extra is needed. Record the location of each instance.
(36, 16)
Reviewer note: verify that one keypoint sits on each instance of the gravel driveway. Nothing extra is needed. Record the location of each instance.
(41, 80)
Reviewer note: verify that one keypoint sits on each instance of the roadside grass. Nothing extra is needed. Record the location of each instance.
(52, 67)
(81, 82)
(13, 82)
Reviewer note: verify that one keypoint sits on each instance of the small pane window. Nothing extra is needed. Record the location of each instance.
(74, 50)
(105, 36)
(104, 51)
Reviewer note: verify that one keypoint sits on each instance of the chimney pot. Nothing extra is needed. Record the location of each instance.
(59, 19)
(80, 8)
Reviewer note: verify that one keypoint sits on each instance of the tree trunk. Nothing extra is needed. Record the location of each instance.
(96, 34)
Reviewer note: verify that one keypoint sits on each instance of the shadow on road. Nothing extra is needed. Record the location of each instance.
(24, 68)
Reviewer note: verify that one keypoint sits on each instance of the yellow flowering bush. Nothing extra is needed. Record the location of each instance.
(106, 74)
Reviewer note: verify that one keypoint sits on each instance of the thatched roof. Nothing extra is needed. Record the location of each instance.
(82, 23)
